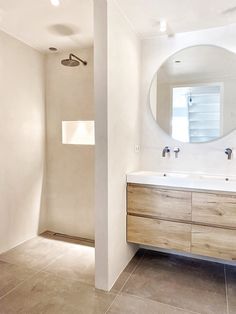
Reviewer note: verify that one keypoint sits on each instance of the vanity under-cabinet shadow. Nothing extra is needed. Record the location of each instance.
(49, 275)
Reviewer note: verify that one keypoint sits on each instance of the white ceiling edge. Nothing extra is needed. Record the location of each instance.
(130, 15)
(39, 25)
(162, 36)
(43, 51)
(126, 18)
(19, 39)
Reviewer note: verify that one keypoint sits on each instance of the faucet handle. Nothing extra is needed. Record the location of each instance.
(228, 152)
(176, 151)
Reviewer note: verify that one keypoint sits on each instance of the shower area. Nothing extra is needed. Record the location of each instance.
(70, 143)
(47, 121)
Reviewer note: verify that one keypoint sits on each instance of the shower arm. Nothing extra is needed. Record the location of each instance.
(74, 56)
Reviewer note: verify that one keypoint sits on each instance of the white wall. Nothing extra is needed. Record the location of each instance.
(118, 105)
(70, 168)
(22, 138)
(207, 157)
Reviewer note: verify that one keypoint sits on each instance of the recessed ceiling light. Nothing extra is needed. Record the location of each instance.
(56, 3)
(52, 48)
(163, 25)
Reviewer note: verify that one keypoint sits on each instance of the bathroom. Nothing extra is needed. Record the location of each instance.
(90, 159)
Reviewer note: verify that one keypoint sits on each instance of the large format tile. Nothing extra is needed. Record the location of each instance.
(186, 283)
(125, 304)
(78, 263)
(231, 288)
(49, 294)
(127, 271)
(12, 275)
(35, 253)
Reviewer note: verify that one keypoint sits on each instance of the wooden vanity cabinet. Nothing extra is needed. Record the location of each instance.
(160, 233)
(214, 209)
(197, 222)
(161, 203)
(214, 242)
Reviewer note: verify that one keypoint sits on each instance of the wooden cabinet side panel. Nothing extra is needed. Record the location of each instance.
(214, 242)
(159, 202)
(154, 232)
(214, 209)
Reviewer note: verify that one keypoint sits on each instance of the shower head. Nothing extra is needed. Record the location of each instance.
(73, 61)
(70, 62)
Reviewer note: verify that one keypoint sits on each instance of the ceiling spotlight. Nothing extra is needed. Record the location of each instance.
(163, 25)
(54, 49)
(56, 3)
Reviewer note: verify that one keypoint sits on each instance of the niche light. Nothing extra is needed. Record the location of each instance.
(78, 132)
(55, 3)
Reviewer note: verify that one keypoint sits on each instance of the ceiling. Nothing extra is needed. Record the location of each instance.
(181, 15)
(41, 25)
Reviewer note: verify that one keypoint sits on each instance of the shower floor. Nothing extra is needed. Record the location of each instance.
(55, 275)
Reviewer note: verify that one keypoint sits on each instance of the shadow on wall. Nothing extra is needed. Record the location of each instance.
(68, 31)
(63, 30)
(42, 222)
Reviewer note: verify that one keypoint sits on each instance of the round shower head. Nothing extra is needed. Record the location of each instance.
(70, 62)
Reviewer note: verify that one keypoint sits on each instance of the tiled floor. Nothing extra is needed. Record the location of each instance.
(48, 276)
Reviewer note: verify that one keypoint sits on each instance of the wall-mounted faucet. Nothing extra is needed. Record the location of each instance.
(165, 151)
(176, 150)
(228, 152)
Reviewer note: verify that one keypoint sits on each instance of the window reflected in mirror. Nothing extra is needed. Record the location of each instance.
(196, 113)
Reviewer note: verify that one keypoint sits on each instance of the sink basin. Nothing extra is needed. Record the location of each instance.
(176, 175)
(184, 180)
(218, 177)
(161, 174)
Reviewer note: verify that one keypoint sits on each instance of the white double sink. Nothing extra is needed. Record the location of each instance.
(184, 180)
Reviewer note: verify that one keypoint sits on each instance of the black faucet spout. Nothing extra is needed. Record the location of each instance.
(165, 151)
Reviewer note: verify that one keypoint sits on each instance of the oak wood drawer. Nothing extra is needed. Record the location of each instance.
(214, 242)
(159, 233)
(157, 202)
(215, 209)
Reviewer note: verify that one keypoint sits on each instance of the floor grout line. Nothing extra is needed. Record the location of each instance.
(29, 278)
(167, 304)
(131, 273)
(226, 290)
(120, 290)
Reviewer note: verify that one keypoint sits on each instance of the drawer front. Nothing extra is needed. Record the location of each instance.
(215, 209)
(162, 234)
(214, 242)
(159, 202)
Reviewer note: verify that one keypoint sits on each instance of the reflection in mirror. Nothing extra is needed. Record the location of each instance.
(193, 94)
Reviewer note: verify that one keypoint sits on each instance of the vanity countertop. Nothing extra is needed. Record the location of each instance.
(198, 181)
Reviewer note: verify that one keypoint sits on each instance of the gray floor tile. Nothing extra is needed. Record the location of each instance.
(194, 285)
(125, 304)
(36, 253)
(78, 263)
(231, 288)
(12, 275)
(127, 271)
(49, 294)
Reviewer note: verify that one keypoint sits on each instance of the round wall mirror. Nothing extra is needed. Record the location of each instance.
(193, 94)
